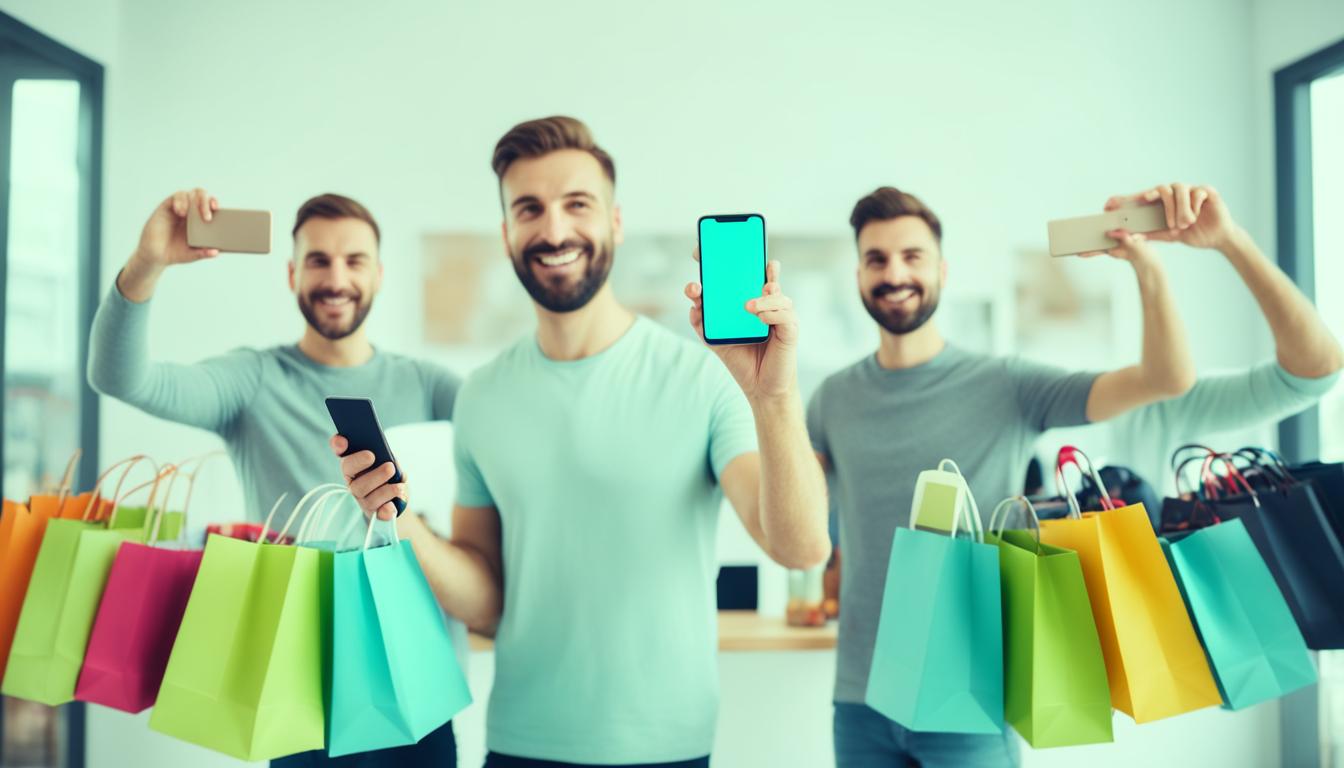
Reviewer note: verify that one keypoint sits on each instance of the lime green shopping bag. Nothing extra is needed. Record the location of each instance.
(245, 676)
(62, 601)
(1054, 676)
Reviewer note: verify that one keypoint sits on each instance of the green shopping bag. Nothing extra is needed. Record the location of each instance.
(170, 525)
(1054, 676)
(245, 676)
(938, 659)
(62, 601)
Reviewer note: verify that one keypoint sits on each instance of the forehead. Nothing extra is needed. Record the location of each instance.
(895, 235)
(336, 236)
(553, 175)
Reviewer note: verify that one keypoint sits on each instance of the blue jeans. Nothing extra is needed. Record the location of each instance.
(866, 739)
(437, 750)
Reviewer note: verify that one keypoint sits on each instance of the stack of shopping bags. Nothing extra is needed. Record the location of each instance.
(256, 650)
(282, 647)
(1049, 625)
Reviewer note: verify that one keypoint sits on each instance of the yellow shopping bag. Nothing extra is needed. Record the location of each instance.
(1155, 664)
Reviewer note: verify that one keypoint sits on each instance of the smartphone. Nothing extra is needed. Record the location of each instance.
(1088, 233)
(357, 422)
(230, 229)
(732, 272)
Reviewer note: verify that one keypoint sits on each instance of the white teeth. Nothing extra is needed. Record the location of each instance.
(560, 259)
(900, 295)
(335, 302)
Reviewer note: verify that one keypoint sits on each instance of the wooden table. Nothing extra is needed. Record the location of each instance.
(748, 631)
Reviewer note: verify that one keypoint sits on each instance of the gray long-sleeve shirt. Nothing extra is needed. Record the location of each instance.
(267, 404)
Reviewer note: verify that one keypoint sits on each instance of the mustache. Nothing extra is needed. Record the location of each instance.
(888, 288)
(544, 248)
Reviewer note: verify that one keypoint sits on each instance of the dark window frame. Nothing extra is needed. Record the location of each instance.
(1299, 436)
(44, 57)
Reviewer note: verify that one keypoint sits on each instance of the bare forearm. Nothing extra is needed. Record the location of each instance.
(1166, 365)
(1303, 344)
(462, 581)
(792, 487)
(138, 279)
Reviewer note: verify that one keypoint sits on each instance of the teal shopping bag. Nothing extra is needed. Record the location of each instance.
(394, 674)
(938, 659)
(1253, 644)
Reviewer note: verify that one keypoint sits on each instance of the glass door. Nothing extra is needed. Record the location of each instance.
(50, 131)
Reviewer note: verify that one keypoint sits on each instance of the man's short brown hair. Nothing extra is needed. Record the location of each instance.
(334, 206)
(886, 203)
(535, 138)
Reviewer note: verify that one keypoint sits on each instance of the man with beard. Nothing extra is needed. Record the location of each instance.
(918, 399)
(267, 404)
(590, 459)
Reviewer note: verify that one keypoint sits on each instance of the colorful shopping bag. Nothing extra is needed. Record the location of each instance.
(1290, 528)
(66, 586)
(245, 676)
(141, 609)
(1054, 676)
(1254, 645)
(21, 537)
(395, 676)
(1154, 662)
(938, 658)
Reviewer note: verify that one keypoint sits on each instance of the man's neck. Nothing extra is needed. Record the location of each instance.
(348, 352)
(585, 331)
(910, 349)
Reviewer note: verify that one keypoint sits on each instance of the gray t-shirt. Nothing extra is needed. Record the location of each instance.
(267, 404)
(880, 428)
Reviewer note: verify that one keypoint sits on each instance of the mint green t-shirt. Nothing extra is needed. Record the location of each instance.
(604, 471)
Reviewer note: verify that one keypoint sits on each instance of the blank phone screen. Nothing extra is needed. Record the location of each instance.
(732, 272)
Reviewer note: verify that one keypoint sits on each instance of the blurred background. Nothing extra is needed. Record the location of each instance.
(999, 115)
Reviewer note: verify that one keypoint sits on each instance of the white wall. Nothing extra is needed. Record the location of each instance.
(1000, 115)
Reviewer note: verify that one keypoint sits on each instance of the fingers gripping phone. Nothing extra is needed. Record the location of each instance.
(732, 272)
(1088, 233)
(357, 422)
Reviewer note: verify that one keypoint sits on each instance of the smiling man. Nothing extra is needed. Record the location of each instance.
(917, 399)
(591, 461)
(268, 404)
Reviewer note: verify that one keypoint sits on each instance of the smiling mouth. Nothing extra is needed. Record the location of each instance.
(560, 259)
(334, 302)
(899, 296)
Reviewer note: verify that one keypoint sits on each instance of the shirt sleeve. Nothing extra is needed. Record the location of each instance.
(1264, 394)
(1049, 397)
(209, 394)
(471, 488)
(816, 427)
(443, 386)
(732, 427)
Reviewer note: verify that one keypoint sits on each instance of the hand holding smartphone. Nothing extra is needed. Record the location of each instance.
(732, 272)
(357, 422)
(1083, 234)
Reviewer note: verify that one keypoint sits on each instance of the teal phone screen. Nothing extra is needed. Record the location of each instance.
(732, 272)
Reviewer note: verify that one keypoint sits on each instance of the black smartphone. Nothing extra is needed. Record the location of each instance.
(732, 272)
(357, 422)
